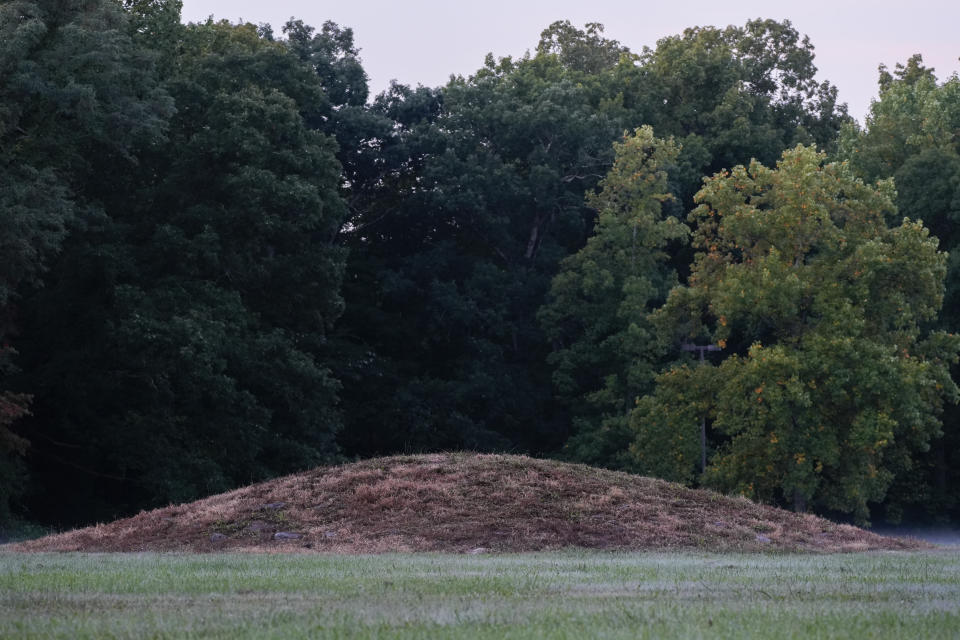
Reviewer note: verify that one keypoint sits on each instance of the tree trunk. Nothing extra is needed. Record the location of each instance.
(799, 501)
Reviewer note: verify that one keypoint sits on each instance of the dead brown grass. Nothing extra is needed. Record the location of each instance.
(466, 503)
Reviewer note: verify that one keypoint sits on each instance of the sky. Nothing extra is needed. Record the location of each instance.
(426, 41)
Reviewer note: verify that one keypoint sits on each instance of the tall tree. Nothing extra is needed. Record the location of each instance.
(486, 182)
(596, 315)
(729, 95)
(912, 134)
(732, 94)
(193, 359)
(343, 114)
(76, 97)
(832, 383)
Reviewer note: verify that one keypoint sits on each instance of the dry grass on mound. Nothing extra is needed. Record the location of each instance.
(466, 503)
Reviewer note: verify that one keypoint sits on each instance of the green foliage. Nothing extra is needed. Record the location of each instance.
(179, 346)
(76, 96)
(155, 25)
(912, 114)
(179, 201)
(605, 352)
(342, 112)
(587, 51)
(912, 134)
(833, 383)
(730, 95)
(452, 251)
(666, 423)
(457, 233)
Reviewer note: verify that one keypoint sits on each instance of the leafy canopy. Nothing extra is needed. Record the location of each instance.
(912, 134)
(832, 383)
(179, 347)
(596, 316)
(76, 98)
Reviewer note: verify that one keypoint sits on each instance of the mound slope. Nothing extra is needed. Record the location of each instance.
(466, 503)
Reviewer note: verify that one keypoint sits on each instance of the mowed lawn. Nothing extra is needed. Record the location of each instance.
(542, 595)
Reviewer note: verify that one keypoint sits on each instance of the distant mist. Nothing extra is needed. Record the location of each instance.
(946, 535)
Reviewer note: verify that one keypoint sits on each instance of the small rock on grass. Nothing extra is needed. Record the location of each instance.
(285, 535)
(217, 537)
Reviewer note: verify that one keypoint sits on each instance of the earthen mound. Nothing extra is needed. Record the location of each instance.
(461, 502)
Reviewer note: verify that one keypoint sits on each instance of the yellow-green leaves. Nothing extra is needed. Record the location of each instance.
(601, 299)
(826, 388)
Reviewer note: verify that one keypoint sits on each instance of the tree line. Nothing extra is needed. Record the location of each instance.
(224, 260)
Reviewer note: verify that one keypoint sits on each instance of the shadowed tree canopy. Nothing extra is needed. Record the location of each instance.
(76, 97)
(485, 181)
(343, 112)
(178, 347)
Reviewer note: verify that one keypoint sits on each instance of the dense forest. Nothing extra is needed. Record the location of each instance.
(222, 260)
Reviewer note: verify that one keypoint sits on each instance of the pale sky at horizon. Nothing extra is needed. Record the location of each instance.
(425, 41)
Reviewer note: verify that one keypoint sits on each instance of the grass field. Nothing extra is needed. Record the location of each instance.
(555, 595)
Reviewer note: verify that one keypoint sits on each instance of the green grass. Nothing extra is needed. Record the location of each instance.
(555, 595)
